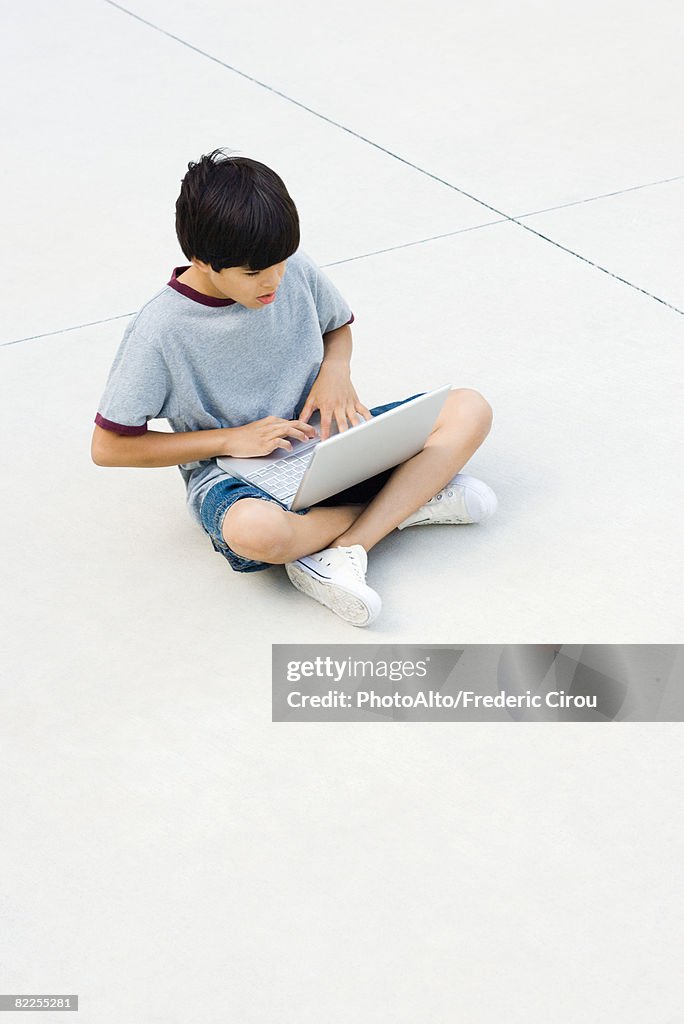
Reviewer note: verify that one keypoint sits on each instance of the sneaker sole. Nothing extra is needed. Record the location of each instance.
(347, 605)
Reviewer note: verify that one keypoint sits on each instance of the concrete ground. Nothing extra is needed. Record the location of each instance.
(497, 191)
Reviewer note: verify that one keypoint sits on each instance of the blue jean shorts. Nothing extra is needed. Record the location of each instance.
(225, 493)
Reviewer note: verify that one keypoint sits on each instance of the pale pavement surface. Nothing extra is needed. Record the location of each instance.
(498, 193)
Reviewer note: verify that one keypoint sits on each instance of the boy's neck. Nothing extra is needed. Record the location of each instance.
(199, 282)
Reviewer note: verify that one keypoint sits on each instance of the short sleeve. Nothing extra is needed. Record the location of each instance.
(137, 388)
(332, 308)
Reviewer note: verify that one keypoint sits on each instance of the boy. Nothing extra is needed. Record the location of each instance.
(237, 351)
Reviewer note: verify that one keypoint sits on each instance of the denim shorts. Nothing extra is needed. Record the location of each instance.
(226, 492)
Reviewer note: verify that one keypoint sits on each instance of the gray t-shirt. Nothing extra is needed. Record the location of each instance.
(203, 363)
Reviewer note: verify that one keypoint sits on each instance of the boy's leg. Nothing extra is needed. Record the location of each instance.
(336, 575)
(461, 427)
(264, 531)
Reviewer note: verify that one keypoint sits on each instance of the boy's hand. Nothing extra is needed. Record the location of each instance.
(263, 436)
(333, 394)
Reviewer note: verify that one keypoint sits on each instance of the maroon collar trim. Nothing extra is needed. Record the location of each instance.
(192, 293)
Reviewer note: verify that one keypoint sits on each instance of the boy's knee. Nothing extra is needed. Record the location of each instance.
(258, 529)
(479, 410)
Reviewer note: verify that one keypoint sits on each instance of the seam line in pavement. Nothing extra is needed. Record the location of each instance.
(380, 252)
(395, 156)
(503, 217)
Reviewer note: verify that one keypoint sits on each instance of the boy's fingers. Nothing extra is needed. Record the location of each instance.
(301, 435)
(326, 419)
(357, 415)
(306, 427)
(353, 416)
(341, 417)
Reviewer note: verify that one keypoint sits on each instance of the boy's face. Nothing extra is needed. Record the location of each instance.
(242, 284)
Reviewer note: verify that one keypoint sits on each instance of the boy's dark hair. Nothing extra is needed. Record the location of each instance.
(235, 212)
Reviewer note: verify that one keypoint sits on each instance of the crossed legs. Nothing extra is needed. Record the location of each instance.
(263, 531)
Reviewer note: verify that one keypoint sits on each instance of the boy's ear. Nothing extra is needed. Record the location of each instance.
(204, 267)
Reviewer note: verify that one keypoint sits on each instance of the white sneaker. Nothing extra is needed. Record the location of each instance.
(337, 578)
(464, 500)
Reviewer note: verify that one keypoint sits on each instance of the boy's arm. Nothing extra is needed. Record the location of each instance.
(337, 346)
(158, 448)
(333, 393)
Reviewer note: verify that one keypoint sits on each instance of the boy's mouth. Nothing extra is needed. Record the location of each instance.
(265, 299)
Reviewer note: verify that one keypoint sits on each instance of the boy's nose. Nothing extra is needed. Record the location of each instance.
(274, 283)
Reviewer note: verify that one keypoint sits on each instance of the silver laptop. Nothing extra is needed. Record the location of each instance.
(316, 469)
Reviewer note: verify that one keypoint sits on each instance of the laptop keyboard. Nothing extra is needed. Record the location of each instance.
(281, 478)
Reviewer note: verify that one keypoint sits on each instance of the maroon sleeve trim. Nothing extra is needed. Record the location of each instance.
(341, 325)
(119, 428)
